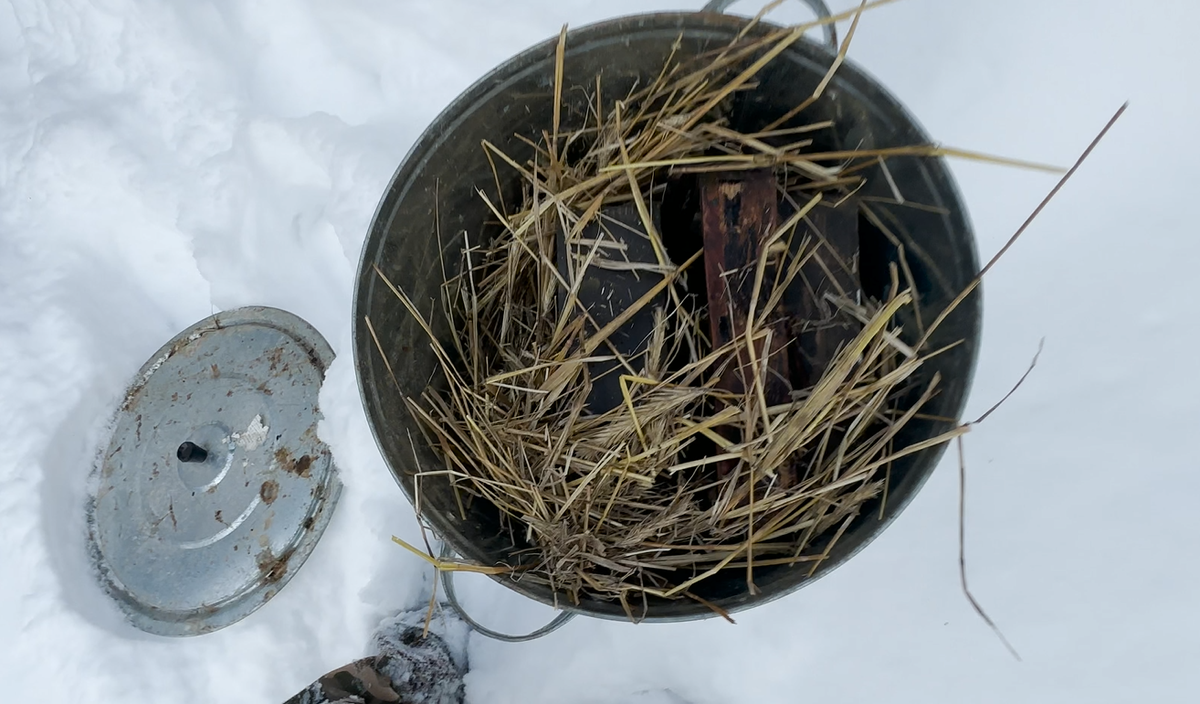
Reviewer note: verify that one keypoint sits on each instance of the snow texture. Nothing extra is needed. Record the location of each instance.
(163, 161)
(389, 636)
(428, 669)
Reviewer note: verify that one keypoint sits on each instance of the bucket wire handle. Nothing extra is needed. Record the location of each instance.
(817, 6)
(452, 598)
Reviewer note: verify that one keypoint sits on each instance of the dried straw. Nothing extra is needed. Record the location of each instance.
(621, 505)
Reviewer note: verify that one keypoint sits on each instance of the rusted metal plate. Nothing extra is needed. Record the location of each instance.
(214, 487)
(739, 212)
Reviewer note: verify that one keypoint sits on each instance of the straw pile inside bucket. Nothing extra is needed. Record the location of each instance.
(621, 505)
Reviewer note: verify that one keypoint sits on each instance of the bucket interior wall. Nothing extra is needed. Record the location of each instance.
(438, 183)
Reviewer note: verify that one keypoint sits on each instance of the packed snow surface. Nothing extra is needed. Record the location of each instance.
(163, 161)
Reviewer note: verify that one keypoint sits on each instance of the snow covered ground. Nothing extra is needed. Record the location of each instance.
(160, 161)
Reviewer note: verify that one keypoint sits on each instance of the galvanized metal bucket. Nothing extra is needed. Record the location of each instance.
(446, 166)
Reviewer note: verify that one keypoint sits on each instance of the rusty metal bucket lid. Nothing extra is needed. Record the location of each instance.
(214, 488)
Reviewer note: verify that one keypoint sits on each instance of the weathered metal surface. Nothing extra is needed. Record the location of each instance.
(739, 212)
(609, 286)
(215, 488)
(831, 270)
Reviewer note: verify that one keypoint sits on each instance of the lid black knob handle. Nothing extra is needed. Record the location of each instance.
(191, 452)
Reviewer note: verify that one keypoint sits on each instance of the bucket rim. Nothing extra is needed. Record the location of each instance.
(440, 129)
